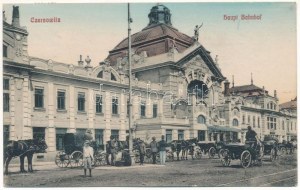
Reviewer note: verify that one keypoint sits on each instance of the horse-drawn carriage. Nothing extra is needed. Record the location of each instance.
(121, 153)
(287, 147)
(271, 147)
(208, 147)
(249, 153)
(72, 153)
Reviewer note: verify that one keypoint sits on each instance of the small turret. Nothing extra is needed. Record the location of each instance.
(16, 17)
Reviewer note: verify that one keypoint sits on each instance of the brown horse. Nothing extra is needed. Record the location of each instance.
(22, 149)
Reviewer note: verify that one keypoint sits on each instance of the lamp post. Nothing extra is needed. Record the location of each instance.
(130, 87)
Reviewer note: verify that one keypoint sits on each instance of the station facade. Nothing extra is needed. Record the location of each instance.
(178, 91)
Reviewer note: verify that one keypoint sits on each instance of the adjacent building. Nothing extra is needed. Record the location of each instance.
(178, 91)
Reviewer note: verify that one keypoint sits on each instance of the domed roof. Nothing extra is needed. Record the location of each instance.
(157, 38)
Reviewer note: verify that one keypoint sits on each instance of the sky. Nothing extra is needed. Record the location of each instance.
(266, 47)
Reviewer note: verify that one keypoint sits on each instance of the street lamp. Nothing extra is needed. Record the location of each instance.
(130, 87)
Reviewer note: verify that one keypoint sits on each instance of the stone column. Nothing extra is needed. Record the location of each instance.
(149, 105)
(12, 128)
(73, 110)
(218, 137)
(91, 101)
(174, 134)
(50, 133)
(107, 116)
(27, 130)
(123, 113)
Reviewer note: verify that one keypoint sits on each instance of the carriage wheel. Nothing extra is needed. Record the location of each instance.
(136, 156)
(198, 154)
(246, 159)
(212, 152)
(148, 159)
(221, 151)
(170, 157)
(225, 157)
(283, 150)
(273, 155)
(62, 160)
(76, 159)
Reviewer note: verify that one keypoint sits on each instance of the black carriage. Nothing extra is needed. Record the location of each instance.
(206, 147)
(271, 147)
(287, 147)
(249, 153)
(72, 153)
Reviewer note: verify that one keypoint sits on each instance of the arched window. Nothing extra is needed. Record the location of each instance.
(282, 124)
(100, 74)
(235, 122)
(113, 77)
(201, 119)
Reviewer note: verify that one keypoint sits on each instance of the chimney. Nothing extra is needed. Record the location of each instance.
(226, 88)
(275, 94)
(80, 62)
(16, 17)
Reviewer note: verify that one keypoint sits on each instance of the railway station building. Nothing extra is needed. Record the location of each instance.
(178, 91)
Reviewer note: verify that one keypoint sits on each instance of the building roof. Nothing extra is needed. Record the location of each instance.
(246, 88)
(289, 105)
(158, 37)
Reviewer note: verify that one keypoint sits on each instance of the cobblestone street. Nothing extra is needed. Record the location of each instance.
(203, 172)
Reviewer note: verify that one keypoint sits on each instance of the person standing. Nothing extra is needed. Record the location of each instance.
(142, 150)
(88, 157)
(154, 149)
(162, 150)
(112, 150)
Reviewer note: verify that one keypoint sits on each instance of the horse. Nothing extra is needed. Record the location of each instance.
(22, 149)
(185, 149)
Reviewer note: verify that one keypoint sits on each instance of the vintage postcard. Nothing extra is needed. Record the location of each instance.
(169, 94)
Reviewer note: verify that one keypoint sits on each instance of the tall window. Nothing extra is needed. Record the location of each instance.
(128, 107)
(61, 96)
(98, 104)
(201, 119)
(39, 98)
(282, 124)
(253, 121)
(180, 134)
(6, 99)
(38, 132)
(249, 119)
(5, 135)
(271, 122)
(99, 137)
(201, 135)
(244, 119)
(81, 101)
(168, 135)
(115, 134)
(143, 109)
(235, 122)
(60, 133)
(154, 110)
(113, 77)
(258, 122)
(4, 51)
(114, 102)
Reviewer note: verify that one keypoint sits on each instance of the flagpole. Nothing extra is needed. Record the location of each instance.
(130, 86)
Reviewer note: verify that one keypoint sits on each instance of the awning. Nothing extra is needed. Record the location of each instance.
(216, 128)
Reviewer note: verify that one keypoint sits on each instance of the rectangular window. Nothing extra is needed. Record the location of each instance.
(271, 123)
(143, 109)
(81, 102)
(99, 137)
(154, 110)
(38, 132)
(5, 84)
(114, 105)
(258, 122)
(253, 121)
(168, 135)
(244, 119)
(6, 102)
(61, 96)
(4, 51)
(249, 119)
(5, 135)
(128, 108)
(201, 135)
(180, 135)
(60, 133)
(39, 98)
(115, 134)
(98, 104)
